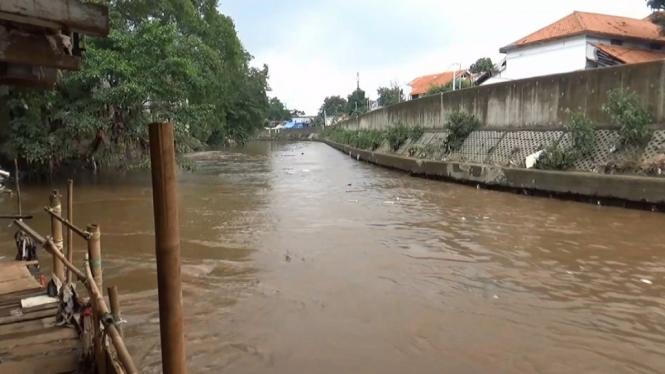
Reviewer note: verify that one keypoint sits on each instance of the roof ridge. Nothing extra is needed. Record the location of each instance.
(579, 20)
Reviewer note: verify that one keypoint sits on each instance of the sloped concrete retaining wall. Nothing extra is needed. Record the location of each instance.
(646, 191)
(510, 148)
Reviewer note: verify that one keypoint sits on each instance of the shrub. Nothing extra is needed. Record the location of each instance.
(555, 158)
(582, 132)
(369, 139)
(626, 111)
(397, 135)
(583, 135)
(416, 132)
(459, 126)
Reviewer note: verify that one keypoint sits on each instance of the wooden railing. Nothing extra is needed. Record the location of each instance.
(105, 320)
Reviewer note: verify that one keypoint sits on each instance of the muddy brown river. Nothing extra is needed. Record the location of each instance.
(299, 259)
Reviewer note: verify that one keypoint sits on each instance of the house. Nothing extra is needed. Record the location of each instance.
(581, 41)
(420, 85)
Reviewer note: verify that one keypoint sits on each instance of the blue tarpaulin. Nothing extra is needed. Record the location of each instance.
(293, 125)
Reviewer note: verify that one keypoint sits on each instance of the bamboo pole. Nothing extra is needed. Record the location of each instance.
(95, 264)
(56, 232)
(110, 328)
(95, 254)
(51, 248)
(18, 187)
(167, 247)
(70, 218)
(85, 235)
(115, 307)
(15, 217)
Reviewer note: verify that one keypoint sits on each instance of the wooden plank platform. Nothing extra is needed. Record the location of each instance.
(30, 342)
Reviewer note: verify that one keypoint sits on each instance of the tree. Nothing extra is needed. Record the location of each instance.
(658, 6)
(164, 60)
(460, 84)
(297, 113)
(333, 106)
(390, 95)
(482, 65)
(277, 111)
(356, 102)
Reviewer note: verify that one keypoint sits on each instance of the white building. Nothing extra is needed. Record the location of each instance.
(581, 41)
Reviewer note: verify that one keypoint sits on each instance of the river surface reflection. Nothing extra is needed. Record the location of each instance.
(299, 259)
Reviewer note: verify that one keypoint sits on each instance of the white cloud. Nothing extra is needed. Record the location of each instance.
(315, 48)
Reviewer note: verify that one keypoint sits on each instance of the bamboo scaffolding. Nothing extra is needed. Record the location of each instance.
(109, 326)
(115, 306)
(101, 309)
(50, 247)
(82, 233)
(56, 232)
(18, 187)
(70, 218)
(15, 217)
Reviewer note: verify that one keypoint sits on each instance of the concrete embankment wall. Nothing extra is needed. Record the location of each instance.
(289, 134)
(643, 192)
(529, 104)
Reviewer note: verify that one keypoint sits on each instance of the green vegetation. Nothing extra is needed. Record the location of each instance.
(427, 151)
(658, 6)
(482, 65)
(459, 127)
(583, 136)
(390, 95)
(277, 111)
(416, 132)
(165, 60)
(626, 111)
(395, 135)
(461, 84)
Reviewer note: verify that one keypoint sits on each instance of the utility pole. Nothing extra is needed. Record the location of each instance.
(358, 81)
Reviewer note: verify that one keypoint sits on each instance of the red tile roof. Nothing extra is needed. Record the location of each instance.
(420, 85)
(630, 55)
(592, 23)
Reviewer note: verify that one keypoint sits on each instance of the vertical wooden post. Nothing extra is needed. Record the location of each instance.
(56, 232)
(95, 254)
(18, 187)
(115, 307)
(95, 260)
(70, 218)
(167, 247)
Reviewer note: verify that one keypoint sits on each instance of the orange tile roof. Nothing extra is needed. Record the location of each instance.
(630, 55)
(599, 24)
(420, 85)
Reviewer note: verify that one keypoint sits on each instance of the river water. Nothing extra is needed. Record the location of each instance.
(299, 259)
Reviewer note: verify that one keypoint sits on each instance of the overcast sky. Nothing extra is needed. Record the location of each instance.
(314, 48)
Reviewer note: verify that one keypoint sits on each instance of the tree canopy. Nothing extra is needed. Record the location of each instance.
(356, 102)
(277, 111)
(165, 60)
(658, 6)
(390, 95)
(461, 84)
(482, 65)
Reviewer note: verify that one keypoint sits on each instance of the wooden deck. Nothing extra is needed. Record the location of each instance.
(30, 342)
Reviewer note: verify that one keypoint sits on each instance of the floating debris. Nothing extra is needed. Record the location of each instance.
(353, 201)
(305, 171)
(389, 202)
(646, 281)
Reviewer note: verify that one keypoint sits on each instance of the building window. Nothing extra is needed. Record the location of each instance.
(656, 46)
(616, 42)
